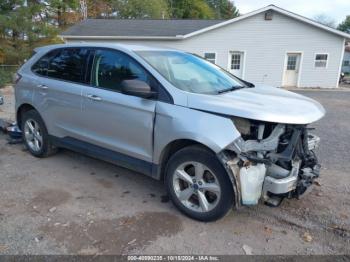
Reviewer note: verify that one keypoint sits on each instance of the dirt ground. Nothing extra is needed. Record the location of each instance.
(72, 204)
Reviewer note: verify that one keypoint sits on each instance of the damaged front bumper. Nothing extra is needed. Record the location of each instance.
(290, 167)
(281, 185)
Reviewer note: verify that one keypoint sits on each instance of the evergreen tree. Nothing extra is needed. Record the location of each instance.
(132, 9)
(22, 28)
(195, 9)
(223, 9)
(345, 25)
(63, 12)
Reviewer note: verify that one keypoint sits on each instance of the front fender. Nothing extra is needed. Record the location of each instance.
(175, 122)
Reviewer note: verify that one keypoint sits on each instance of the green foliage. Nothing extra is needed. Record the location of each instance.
(345, 25)
(25, 25)
(223, 9)
(138, 9)
(63, 12)
(195, 9)
(101, 9)
(6, 74)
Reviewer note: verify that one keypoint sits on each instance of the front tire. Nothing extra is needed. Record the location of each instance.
(35, 135)
(198, 184)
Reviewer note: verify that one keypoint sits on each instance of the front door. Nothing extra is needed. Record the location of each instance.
(291, 71)
(113, 120)
(236, 63)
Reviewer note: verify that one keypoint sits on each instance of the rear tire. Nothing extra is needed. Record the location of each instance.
(35, 135)
(198, 184)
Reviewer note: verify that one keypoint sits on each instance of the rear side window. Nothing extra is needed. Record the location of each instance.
(69, 64)
(112, 67)
(42, 65)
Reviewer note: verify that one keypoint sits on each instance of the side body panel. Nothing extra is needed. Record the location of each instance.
(175, 122)
(119, 122)
(24, 89)
(59, 104)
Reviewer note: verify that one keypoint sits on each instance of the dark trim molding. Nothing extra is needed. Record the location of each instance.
(107, 155)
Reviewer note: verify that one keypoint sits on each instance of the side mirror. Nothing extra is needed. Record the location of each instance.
(137, 88)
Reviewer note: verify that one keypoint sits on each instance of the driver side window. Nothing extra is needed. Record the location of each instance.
(112, 67)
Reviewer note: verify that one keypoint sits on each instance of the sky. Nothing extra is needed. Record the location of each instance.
(336, 9)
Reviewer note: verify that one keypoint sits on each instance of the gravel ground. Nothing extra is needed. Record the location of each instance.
(72, 204)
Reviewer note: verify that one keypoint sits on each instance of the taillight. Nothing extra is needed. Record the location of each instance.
(16, 78)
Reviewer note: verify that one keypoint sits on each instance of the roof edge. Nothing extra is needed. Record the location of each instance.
(177, 37)
(277, 9)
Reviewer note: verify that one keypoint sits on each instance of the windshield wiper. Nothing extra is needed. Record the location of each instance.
(233, 88)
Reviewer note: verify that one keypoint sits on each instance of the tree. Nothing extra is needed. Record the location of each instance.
(63, 12)
(224, 9)
(23, 26)
(99, 8)
(195, 9)
(138, 9)
(325, 20)
(345, 25)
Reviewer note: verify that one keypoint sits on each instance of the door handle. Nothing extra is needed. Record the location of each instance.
(43, 86)
(94, 97)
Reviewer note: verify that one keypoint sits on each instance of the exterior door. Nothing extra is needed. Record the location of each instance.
(58, 90)
(113, 120)
(236, 63)
(291, 71)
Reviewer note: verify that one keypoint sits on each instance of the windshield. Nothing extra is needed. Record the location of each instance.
(191, 73)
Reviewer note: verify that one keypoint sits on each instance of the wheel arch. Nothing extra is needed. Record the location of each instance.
(21, 110)
(170, 149)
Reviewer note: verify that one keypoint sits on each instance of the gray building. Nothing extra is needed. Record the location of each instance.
(270, 45)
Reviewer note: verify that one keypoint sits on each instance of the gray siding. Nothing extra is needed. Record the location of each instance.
(265, 44)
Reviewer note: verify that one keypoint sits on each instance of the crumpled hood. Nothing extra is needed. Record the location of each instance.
(262, 103)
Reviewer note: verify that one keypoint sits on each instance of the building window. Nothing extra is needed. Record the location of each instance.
(321, 60)
(211, 57)
(235, 61)
(346, 63)
(291, 62)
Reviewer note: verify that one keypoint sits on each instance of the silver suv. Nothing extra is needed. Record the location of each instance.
(216, 140)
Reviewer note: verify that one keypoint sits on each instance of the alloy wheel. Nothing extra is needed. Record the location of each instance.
(33, 135)
(196, 186)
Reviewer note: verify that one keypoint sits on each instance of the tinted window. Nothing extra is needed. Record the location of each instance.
(69, 64)
(112, 67)
(41, 66)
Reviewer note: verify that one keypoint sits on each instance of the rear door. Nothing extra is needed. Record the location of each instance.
(113, 120)
(62, 74)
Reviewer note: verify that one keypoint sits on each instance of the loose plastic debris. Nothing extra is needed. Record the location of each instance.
(13, 131)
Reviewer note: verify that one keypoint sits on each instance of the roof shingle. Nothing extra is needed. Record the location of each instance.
(137, 27)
